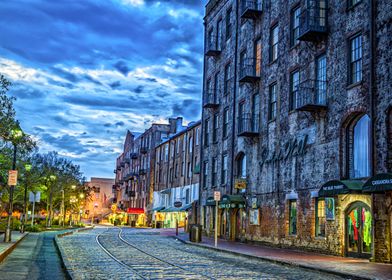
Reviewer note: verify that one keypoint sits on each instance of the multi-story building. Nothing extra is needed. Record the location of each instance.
(297, 121)
(135, 170)
(177, 169)
(98, 204)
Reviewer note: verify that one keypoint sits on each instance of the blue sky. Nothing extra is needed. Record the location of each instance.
(85, 71)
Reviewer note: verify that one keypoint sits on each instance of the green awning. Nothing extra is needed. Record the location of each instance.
(232, 201)
(210, 201)
(166, 191)
(186, 207)
(159, 208)
(335, 187)
(378, 183)
(171, 209)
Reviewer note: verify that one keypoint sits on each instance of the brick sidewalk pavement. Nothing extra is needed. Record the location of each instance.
(348, 267)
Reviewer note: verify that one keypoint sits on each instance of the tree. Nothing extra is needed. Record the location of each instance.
(7, 111)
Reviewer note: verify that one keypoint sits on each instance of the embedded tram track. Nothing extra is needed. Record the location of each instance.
(143, 266)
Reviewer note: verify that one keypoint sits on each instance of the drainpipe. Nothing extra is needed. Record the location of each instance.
(373, 8)
(234, 96)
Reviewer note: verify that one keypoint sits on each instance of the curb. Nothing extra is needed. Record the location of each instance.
(281, 262)
(61, 252)
(11, 248)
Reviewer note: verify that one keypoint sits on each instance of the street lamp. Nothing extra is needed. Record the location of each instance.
(16, 134)
(22, 227)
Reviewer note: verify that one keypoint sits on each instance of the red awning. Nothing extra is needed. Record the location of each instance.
(135, 211)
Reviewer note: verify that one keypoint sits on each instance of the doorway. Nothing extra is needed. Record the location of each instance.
(358, 220)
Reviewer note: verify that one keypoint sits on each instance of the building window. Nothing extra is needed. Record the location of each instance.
(219, 34)
(320, 217)
(361, 148)
(321, 82)
(241, 166)
(272, 102)
(227, 79)
(187, 196)
(274, 41)
(184, 143)
(294, 83)
(206, 132)
(205, 173)
(214, 172)
(243, 60)
(356, 59)
(224, 169)
(176, 171)
(178, 145)
(255, 112)
(182, 168)
(351, 3)
(190, 144)
(292, 217)
(166, 152)
(294, 21)
(225, 122)
(189, 170)
(215, 125)
(257, 50)
(197, 136)
(228, 24)
(217, 86)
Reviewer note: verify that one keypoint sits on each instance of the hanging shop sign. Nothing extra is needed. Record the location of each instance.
(254, 217)
(240, 183)
(12, 177)
(292, 148)
(330, 208)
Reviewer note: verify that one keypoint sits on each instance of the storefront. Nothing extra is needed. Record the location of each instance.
(173, 215)
(158, 217)
(348, 211)
(233, 217)
(136, 217)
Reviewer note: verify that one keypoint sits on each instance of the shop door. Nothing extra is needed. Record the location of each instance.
(223, 223)
(358, 231)
(238, 227)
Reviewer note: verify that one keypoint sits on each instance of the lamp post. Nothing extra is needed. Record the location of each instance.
(22, 227)
(62, 207)
(16, 134)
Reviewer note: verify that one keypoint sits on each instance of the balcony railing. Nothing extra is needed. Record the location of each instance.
(251, 8)
(210, 98)
(213, 46)
(313, 21)
(250, 71)
(248, 125)
(311, 96)
(122, 164)
(143, 150)
(115, 171)
(133, 155)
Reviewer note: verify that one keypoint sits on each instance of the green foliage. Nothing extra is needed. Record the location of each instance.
(34, 228)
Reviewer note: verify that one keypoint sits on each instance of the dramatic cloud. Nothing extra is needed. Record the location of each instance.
(86, 71)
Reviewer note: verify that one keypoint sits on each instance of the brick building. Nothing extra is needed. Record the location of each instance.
(98, 204)
(297, 121)
(135, 170)
(177, 169)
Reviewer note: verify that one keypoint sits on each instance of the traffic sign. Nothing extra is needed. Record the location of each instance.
(217, 196)
(12, 177)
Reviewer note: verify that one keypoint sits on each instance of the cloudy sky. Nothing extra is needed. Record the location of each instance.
(85, 71)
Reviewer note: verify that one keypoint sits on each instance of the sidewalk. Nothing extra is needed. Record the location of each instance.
(347, 267)
(7, 248)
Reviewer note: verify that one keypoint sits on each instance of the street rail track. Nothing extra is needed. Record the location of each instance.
(143, 264)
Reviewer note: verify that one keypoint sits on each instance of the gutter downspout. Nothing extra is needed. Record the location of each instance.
(234, 97)
(373, 46)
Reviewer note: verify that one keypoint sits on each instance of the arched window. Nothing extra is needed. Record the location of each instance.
(361, 148)
(241, 166)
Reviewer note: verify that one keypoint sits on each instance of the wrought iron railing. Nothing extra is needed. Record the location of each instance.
(311, 92)
(248, 124)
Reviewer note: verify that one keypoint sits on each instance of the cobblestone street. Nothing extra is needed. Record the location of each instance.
(126, 253)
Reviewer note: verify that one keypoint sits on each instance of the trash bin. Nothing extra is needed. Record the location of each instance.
(195, 233)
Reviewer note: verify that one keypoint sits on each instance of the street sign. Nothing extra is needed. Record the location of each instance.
(12, 177)
(217, 196)
(38, 197)
(31, 197)
(34, 197)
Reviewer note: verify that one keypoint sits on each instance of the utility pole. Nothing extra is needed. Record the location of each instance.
(7, 234)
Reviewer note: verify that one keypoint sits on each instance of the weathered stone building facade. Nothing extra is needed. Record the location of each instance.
(177, 169)
(135, 170)
(297, 124)
(101, 198)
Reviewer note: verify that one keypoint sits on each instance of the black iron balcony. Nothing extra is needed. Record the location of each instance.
(311, 96)
(143, 150)
(118, 168)
(313, 21)
(210, 99)
(213, 47)
(251, 8)
(115, 171)
(127, 160)
(142, 171)
(248, 125)
(133, 155)
(250, 70)
(122, 164)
